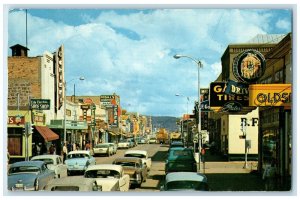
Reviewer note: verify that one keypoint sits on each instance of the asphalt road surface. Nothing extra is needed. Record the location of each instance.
(156, 174)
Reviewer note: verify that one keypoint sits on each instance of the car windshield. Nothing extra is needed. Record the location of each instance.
(135, 155)
(46, 160)
(24, 169)
(77, 155)
(126, 164)
(186, 185)
(102, 173)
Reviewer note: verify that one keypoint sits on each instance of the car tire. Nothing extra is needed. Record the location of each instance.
(36, 184)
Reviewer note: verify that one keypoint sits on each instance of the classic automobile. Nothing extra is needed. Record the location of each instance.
(180, 160)
(55, 163)
(152, 141)
(140, 154)
(115, 147)
(110, 177)
(29, 176)
(176, 144)
(73, 183)
(185, 181)
(103, 149)
(78, 161)
(135, 168)
(124, 144)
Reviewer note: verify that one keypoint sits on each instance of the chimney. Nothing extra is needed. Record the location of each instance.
(19, 50)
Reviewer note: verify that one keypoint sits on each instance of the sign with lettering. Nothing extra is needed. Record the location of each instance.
(16, 120)
(249, 66)
(218, 97)
(40, 104)
(270, 95)
(232, 107)
(233, 87)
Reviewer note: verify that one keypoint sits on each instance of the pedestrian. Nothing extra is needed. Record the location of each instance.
(203, 151)
(34, 150)
(269, 176)
(87, 146)
(69, 146)
(51, 149)
(38, 149)
(74, 146)
(65, 151)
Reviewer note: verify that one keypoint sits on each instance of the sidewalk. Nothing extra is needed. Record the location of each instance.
(232, 176)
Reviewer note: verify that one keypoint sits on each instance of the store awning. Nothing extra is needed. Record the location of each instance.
(47, 133)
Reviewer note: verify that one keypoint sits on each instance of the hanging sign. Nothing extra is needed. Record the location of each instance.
(249, 66)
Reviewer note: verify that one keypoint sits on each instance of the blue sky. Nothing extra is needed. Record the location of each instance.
(130, 51)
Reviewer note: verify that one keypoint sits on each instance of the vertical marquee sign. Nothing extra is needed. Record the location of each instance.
(60, 80)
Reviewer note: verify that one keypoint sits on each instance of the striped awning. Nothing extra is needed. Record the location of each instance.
(47, 133)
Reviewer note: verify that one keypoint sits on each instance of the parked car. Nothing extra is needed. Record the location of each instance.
(180, 160)
(185, 181)
(135, 168)
(142, 141)
(103, 149)
(73, 183)
(55, 163)
(110, 177)
(140, 154)
(29, 176)
(152, 141)
(176, 144)
(115, 147)
(78, 161)
(124, 144)
(132, 141)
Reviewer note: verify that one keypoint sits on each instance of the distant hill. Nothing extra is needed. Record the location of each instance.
(166, 122)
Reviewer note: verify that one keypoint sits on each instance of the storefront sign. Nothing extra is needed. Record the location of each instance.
(16, 120)
(40, 104)
(270, 95)
(233, 87)
(249, 66)
(232, 107)
(218, 98)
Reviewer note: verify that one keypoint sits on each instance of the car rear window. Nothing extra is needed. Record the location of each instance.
(65, 188)
(187, 185)
(135, 155)
(181, 153)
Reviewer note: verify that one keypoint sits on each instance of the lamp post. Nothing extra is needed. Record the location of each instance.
(65, 99)
(199, 65)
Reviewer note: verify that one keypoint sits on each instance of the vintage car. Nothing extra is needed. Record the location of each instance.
(78, 161)
(110, 177)
(180, 160)
(140, 154)
(29, 176)
(135, 168)
(115, 147)
(55, 163)
(185, 181)
(73, 183)
(152, 141)
(103, 149)
(124, 144)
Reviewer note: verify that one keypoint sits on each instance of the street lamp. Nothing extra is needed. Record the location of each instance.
(65, 99)
(199, 65)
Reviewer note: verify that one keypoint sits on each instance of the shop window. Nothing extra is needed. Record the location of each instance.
(278, 77)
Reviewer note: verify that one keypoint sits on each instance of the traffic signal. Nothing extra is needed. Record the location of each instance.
(30, 131)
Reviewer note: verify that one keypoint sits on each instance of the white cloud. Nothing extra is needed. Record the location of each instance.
(283, 24)
(132, 54)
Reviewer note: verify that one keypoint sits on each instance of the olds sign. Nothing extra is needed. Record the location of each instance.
(270, 95)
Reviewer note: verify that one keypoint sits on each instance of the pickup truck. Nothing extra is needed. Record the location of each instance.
(140, 154)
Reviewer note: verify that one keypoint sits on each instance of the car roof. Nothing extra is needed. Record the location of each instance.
(45, 156)
(105, 166)
(71, 180)
(78, 152)
(183, 176)
(28, 163)
(128, 159)
(136, 152)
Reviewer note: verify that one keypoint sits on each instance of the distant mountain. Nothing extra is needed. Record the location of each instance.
(166, 122)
